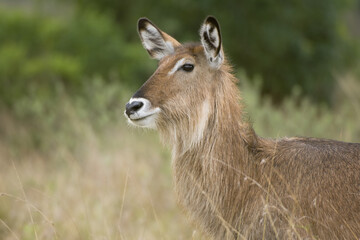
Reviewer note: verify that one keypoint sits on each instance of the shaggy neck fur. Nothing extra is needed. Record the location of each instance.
(211, 149)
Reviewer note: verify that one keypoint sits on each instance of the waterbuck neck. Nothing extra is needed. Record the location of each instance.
(204, 171)
(215, 127)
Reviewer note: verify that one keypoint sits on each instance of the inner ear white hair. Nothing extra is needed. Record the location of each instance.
(211, 40)
(156, 42)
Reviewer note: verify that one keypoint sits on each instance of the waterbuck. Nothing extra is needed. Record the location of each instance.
(232, 183)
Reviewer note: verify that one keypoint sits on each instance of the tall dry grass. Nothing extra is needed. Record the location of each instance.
(114, 186)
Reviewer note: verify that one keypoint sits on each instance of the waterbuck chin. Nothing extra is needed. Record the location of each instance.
(232, 183)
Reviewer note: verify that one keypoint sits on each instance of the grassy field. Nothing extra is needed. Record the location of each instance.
(114, 186)
(114, 181)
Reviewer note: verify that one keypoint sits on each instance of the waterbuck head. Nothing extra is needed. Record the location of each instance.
(181, 92)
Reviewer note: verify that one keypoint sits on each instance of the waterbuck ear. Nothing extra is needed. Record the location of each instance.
(211, 40)
(156, 42)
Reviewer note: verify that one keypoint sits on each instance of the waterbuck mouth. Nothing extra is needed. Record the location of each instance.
(147, 121)
(140, 118)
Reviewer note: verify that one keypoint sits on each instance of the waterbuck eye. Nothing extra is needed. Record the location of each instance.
(187, 67)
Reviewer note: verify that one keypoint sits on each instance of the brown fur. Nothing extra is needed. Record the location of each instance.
(234, 184)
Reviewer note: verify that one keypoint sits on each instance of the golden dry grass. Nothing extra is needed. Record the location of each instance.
(117, 186)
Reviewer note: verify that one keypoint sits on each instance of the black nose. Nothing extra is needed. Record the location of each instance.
(133, 107)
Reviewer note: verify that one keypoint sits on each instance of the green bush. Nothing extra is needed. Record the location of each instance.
(298, 116)
(42, 57)
(81, 65)
(289, 43)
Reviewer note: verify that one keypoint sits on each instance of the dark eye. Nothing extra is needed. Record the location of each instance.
(187, 67)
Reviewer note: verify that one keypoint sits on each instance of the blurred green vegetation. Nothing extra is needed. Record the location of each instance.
(42, 57)
(289, 43)
(87, 57)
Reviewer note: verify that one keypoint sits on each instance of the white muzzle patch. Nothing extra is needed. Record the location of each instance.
(145, 116)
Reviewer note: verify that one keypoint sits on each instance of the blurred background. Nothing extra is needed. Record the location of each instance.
(71, 167)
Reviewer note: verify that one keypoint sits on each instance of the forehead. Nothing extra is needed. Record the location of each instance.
(190, 50)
